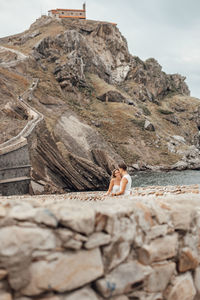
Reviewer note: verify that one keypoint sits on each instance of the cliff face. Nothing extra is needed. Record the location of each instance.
(100, 104)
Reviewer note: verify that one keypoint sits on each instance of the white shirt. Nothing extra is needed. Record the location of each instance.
(128, 185)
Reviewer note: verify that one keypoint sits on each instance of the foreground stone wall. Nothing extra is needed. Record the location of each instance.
(86, 246)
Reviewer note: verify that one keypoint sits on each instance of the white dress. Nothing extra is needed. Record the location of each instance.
(116, 188)
(128, 186)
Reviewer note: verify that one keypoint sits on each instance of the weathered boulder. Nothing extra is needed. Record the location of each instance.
(65, 272)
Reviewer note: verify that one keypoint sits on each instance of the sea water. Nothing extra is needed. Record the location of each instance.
(166, 178)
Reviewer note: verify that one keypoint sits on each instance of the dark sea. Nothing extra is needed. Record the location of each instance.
(165, 178)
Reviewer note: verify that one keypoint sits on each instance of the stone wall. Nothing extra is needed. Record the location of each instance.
(15, 165)
(87, 246)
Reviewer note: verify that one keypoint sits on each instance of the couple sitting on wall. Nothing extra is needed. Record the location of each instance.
(120, 183)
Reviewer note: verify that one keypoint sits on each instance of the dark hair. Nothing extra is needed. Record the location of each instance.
(122, 166)
(113, 173)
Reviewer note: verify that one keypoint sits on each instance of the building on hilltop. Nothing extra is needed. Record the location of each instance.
(68, 13)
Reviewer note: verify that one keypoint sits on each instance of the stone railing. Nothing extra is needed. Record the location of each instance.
(87, 246)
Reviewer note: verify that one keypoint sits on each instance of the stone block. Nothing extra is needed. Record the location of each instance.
(15, 240)
(115, 253)
(66, 272)
(181, 218)
(97, 239)
(188, 260)
(182, 288)
(81, 220)
(73, 244)
(85, 293)
(159, 249)
(158, 280)
(122, 279)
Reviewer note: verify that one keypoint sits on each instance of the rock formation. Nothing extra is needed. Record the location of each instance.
(100, 105)
(88, 246)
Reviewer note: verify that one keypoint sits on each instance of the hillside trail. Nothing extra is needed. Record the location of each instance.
(20, 57)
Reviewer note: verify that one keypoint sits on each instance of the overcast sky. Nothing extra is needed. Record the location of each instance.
(168, 30)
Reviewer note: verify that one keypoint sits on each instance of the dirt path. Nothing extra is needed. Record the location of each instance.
(20, 57)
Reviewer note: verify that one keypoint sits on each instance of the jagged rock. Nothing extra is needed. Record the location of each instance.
(36, 188)
(28, 36)
(172, 118)
(188, 260)
(179, 138)
(122, 279)
(148, 126)
(180, 165)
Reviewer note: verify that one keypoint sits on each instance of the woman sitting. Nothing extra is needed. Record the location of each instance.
(114, 185)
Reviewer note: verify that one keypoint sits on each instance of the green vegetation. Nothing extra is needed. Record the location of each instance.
(165, 111)
(140, 123)
(145, 109)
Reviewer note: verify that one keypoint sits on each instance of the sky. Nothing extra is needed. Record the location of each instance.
(167, 30)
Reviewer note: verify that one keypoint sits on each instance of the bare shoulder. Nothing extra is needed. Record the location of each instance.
(124, 179)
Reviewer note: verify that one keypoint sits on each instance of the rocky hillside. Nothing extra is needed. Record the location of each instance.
(101, 105)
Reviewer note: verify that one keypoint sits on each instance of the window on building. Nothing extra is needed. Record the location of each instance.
(71, 13)
(80, 14)
(62, 12)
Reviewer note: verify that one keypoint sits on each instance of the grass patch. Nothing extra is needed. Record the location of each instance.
(165, 111)
(138, 123)
(145, 109)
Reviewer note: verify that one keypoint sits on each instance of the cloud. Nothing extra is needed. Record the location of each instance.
(167, 30)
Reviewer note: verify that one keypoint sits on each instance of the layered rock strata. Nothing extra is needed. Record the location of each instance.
(88, 246)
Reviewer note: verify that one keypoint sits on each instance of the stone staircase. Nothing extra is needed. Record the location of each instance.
(15, 166)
